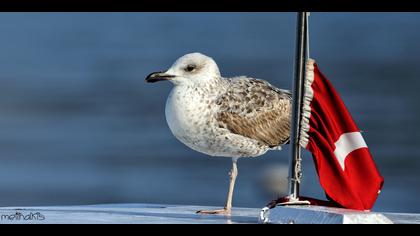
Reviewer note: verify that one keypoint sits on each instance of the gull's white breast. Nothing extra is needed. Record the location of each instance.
(189, 118)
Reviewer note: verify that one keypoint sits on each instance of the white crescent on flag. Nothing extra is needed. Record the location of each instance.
(347, 143)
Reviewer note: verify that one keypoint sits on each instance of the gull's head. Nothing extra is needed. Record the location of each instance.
(189, 69)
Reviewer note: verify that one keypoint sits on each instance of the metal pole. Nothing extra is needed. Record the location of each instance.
(295, 172)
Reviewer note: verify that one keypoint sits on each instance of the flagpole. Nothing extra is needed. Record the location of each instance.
(295, 171)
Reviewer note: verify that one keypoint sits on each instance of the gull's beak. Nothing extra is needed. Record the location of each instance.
(158, 76)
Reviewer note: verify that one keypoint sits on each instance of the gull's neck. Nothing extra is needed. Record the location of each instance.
(209, 86)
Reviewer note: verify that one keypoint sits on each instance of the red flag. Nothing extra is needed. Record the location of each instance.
(343, 162)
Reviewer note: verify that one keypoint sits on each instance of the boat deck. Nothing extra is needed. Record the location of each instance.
(124, 214)
(183, 214)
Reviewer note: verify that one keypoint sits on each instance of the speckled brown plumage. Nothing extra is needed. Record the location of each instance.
(255, 109)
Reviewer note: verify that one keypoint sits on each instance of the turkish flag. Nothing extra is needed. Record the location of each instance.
(343, 162)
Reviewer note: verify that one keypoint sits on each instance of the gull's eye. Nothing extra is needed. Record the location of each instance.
(190, 68)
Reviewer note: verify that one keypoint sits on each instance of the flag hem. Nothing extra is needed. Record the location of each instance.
(308, 95)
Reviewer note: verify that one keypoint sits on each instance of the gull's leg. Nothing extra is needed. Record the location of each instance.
(228, 207)
(233, 174)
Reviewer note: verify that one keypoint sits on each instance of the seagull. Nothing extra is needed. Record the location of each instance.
(224, 117)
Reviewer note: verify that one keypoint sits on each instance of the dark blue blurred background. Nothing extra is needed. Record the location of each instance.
(78, 125)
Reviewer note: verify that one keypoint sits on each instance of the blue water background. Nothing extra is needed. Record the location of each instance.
(78, 125)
